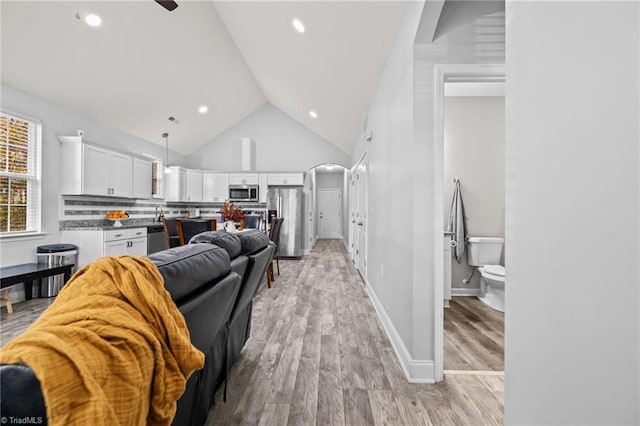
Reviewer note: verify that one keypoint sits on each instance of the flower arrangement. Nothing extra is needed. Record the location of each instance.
(231, 212)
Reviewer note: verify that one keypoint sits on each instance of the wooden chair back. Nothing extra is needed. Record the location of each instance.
(274, 235)
(188, 228)
(274, 231)
(171, 232)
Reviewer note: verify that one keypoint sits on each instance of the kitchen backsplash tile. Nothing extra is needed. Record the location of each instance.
(80, 209)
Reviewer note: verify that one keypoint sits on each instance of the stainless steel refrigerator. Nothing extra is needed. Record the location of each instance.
(286, 202)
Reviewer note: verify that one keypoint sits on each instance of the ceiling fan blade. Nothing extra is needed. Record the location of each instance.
(167, 4)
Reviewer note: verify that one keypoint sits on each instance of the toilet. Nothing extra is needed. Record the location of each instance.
(485, 254)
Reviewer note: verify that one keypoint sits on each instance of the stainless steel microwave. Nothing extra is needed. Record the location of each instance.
(243, 192)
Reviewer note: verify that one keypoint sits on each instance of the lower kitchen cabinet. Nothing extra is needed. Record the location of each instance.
(133, 246)
(95, 243)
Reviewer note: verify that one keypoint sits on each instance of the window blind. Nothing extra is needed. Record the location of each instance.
(20, 174)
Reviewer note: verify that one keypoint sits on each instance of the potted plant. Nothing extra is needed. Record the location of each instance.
(232, 216)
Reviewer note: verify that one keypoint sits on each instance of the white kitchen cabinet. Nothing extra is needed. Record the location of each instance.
(194, 185)
(130, 243)
(120, 174)
(284, 179)
(142, 177)
(183, 185)
(216, 186)
(92, 159)
(95, 243)
(103, 172)
(87, 169)
(176, 184)
(263, 178)
(244, 179)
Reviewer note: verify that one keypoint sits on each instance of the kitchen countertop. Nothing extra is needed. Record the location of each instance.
(107, 224)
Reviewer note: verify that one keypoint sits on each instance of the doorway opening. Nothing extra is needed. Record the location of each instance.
(462, 355)
(326, 203)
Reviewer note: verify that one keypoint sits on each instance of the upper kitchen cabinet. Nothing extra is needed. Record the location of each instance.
(142, 178)
(91, 170)
(194, 186)
(244, 179)
(216, 186)
(280, 179)
(183, 185)
(176, 184)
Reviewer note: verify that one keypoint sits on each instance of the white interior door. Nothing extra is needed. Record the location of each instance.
(361, 216)
(329, 208)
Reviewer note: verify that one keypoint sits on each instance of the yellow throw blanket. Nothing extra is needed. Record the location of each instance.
(113, 348)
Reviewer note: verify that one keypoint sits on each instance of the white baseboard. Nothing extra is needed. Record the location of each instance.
(465, 292)
(416, 370)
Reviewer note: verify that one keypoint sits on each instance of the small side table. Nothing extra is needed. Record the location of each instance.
(27, 273)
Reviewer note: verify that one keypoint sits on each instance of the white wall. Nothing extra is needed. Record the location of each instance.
(474, 153)
(58, 121)
(282, 144)
(390, 183)
(329, 180)
(573, 213)
(401, 176)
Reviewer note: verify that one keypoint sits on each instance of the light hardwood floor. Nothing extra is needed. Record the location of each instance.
(24, 314)
(473, 336)
(319, 355)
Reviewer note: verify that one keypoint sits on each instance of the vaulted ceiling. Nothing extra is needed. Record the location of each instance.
(144, 64)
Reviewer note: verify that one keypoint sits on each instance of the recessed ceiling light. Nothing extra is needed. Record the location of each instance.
(93, 20)
(313, 114)
(329, 166)
(203, 109)
(298, 25)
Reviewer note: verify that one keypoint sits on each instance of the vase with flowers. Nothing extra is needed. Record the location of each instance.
(232, 216)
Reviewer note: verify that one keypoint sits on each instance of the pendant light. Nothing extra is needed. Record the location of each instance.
(167, 169)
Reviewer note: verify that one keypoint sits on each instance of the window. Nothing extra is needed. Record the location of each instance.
(19, 175)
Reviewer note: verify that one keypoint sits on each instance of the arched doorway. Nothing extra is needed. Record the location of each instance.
(327, 204)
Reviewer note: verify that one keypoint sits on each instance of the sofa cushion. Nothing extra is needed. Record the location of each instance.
(252, 241)
(229, 242)
(187, 268)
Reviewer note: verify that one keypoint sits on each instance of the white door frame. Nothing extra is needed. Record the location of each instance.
(444, 73)
(362, 203)
(351, 223)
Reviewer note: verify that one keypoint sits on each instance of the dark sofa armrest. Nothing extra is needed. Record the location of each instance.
(20, 394)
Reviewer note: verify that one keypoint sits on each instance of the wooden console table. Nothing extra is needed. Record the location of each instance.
(27, 273)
